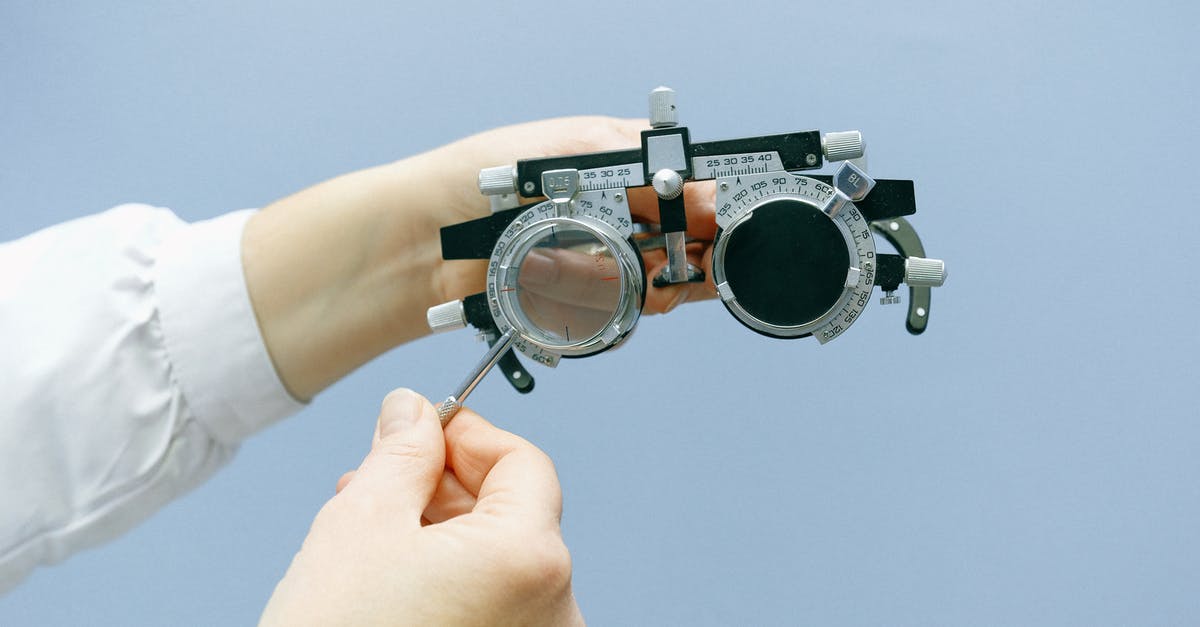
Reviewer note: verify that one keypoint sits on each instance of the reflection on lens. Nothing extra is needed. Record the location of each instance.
(569, 285)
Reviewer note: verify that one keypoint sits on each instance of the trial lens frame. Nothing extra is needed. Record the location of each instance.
(794, 254)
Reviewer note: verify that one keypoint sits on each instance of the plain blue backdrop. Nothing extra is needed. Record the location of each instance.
(1032, 459)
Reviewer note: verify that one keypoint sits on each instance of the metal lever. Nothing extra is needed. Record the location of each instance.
(904, 237)
(453, 403)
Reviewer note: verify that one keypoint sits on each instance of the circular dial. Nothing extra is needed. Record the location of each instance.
(569, 285)
(804, 253)
(783, 266)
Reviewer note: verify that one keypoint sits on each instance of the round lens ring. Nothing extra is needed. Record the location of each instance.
(787, 263)
(568, 285)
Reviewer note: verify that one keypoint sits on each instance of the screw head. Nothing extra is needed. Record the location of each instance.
(724, 187)
(529, 186)
(618, 197)
(810, 159)
(667, 183)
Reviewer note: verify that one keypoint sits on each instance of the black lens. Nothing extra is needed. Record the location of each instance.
(787, 263)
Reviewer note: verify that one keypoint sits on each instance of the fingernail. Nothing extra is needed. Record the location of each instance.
(401, 409)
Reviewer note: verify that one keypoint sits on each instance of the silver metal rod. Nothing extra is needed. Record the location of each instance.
(648, 240)
(453, 403)
(677, 263)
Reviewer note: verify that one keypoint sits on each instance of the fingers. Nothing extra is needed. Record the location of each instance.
(565, 321)
(343, 482)
(545, 138)
(661, 300)
(506, 473)
(665, 299)
(451, 500)
(565, 295)
(570, 276)
(699, 201)
(575, 135)
(402, 471)
(596, 134)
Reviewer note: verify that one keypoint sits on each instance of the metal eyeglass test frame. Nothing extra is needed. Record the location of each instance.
(794, 255)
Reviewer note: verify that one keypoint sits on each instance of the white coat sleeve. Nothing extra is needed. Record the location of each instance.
(131, 366)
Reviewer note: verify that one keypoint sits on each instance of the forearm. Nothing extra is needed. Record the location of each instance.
(343, 271)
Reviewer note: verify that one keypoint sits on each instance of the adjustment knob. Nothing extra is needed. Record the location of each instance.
(446, 316)
(921, 272)
(842, 145)
(498, 181)
(667, 183)
(662, 108)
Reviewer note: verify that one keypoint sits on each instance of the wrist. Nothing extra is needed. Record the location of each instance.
(343, 271)
(441, 187)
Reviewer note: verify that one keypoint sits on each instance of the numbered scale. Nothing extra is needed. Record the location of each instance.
(794, 255)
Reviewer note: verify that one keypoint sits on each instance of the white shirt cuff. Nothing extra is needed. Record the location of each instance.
(217, 352)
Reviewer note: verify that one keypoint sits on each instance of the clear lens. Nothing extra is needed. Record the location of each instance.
(568, 285)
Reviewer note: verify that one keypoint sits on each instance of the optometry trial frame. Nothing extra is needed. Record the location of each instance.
(794, 254)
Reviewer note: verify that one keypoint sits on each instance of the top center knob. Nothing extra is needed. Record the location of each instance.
(667, 183)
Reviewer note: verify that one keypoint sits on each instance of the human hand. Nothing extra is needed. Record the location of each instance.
(435, 528)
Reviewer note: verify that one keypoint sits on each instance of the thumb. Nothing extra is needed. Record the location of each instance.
(407, 458)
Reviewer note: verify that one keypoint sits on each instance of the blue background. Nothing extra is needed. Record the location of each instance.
(1032, 459)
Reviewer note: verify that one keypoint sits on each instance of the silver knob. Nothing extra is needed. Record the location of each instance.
(667, 183)
(842, 145)
(921, 272)
(498, 181)
(662, 108)
(446, 316)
